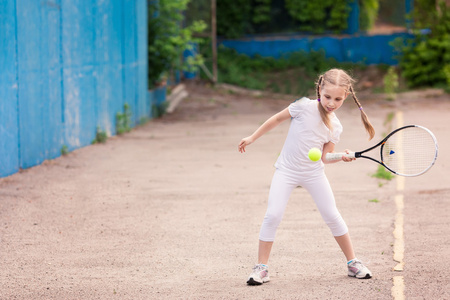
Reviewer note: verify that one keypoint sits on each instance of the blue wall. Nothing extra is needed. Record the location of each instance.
(68, 67)
(370, 49)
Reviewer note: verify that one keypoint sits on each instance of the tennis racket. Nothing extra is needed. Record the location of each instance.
(407, 151)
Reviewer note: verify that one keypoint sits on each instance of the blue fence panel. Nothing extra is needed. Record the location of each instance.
(160, 95)
(30, 60)
(51, 78)
(333, 47)
(353, 17)
(78, 73)
(142, 53)
(108, 57)
(358, 48)
(151, 101)
(129, 47)
(9, 131)
(68, 67)
(295, 45)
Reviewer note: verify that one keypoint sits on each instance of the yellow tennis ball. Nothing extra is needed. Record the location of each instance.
(314, 154)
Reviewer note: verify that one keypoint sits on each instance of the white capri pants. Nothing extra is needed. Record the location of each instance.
(316, 183)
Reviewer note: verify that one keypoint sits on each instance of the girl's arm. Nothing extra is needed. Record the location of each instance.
(329, 148)
(271, 123)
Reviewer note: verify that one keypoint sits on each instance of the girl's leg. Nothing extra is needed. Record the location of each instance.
(264, 252)
(346, 245)
(320, 190)
(280, 191)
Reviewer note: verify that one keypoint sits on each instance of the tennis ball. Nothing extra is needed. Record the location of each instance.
(314, 154)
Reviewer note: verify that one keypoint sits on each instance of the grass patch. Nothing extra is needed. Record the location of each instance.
(382, 173)
(123, 120)
(64, 150)
(100, 136)
(390, 116)
(374, 200)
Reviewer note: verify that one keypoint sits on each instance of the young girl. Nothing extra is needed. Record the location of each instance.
(313, 124)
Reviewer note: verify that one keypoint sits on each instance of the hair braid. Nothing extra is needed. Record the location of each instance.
(323, 114)
(319, 83)
(369, 128)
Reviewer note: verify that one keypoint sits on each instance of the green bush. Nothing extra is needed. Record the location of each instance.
(423, 58)
(123, 120)
(368, 13)
(167, 39)
(233, 18)
(237, 18)
(319, 16)
(100, 136)
(447, 76)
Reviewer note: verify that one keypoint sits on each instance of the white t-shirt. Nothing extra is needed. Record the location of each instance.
(305, 132)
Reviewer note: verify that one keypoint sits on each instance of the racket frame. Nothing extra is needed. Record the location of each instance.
(338, 156)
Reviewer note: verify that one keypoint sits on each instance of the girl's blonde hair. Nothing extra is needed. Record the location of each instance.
(342, 79)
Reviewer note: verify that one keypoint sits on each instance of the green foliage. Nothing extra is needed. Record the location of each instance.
(143, 120)
(319, 16)
(424, 14)
(64, 150)
(237, 18)
(233, 17)
(447, 76)
(123, 120)
(390, 81)
(100, 136)
(382, 173)
(158, 110)
(374, 200)
(423, 58)
(389, 117)
(167, 39)
(293, 73)
(261, 11)
(368, 13)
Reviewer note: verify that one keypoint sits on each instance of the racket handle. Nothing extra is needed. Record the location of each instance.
(338, 156)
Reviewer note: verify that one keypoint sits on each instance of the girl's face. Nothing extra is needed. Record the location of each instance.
(332, 97)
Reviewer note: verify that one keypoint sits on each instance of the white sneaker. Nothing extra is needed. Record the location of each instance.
(259, 275)
(358, 270)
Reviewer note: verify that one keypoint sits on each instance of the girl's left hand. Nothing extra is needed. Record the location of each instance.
(347, 159)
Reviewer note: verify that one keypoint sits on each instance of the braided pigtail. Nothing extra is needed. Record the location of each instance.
(318, 85)
(323, 114)
(369, 128)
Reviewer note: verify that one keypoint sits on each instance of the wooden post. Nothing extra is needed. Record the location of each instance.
(214, 40)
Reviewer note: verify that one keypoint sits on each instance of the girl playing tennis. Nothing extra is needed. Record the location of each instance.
(313, 124)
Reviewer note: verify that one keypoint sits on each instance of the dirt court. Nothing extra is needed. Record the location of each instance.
(172, 211)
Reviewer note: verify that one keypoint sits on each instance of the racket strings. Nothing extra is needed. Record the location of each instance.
(410, 151)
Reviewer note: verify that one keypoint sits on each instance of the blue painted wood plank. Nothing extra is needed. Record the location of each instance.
(31, 105)
(108, 57)
(130, 70)
(331, 45)
(142, 62)
(9, 131)
(51, 78)
(78, 56)
(358, 48)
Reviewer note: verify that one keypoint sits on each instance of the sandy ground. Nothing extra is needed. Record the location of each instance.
(172, 211)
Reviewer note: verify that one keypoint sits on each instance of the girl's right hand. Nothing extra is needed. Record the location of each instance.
(244, 143)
